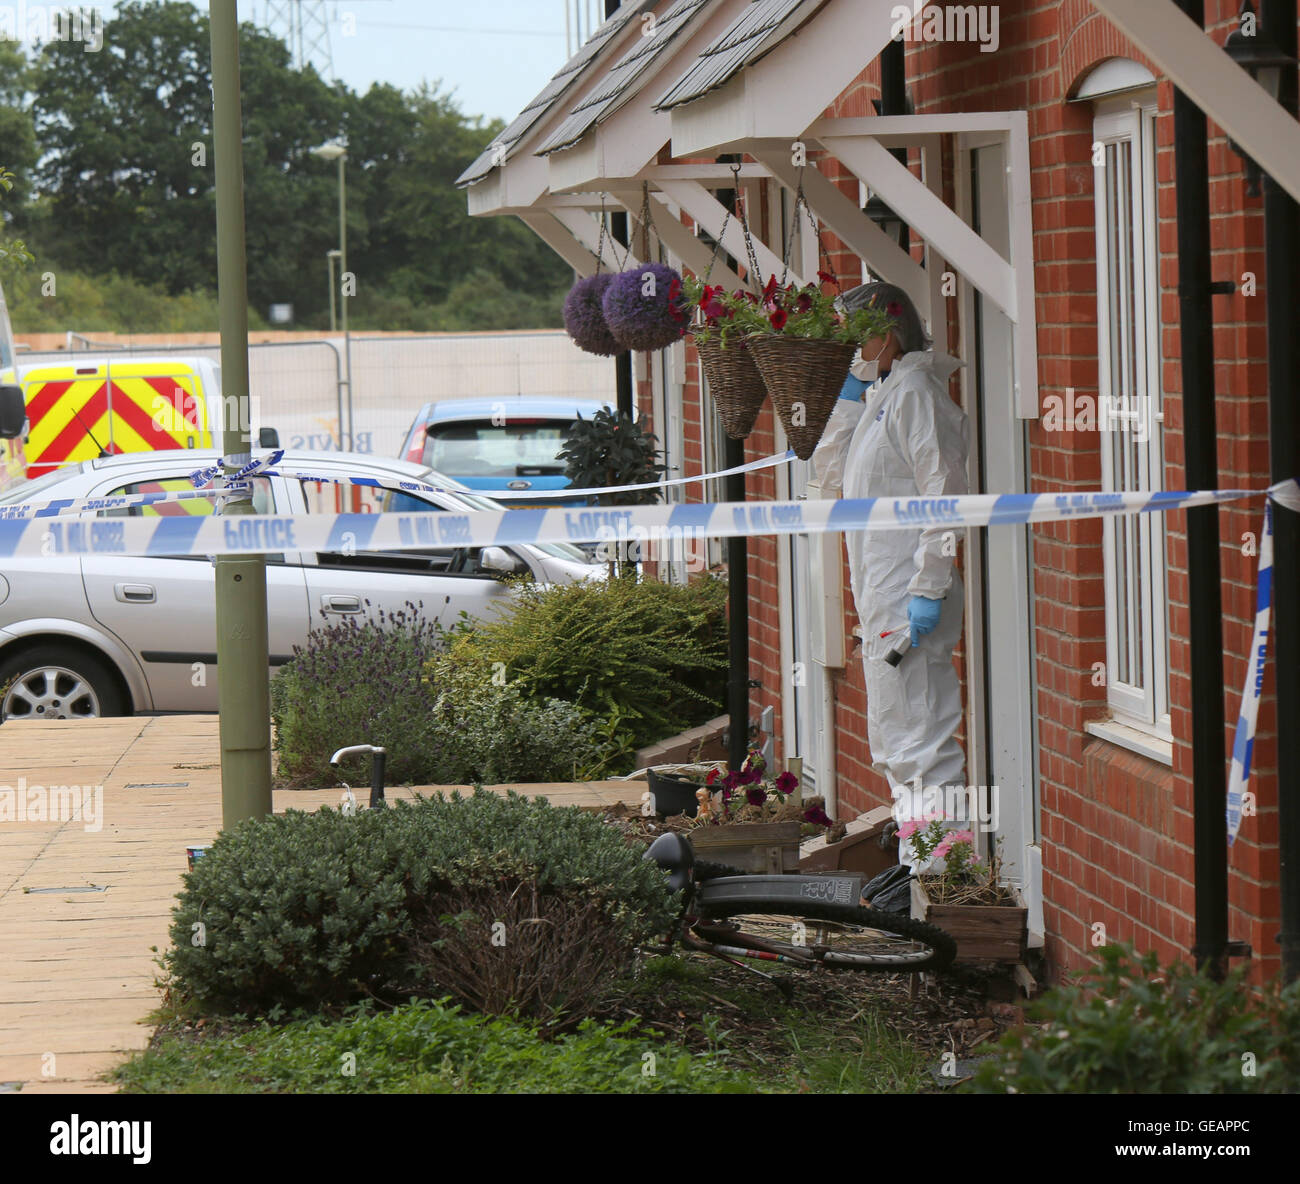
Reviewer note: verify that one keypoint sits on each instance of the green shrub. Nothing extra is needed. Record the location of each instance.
(354, 684)
(307, 910)
(652, 655)
(1131, 1027)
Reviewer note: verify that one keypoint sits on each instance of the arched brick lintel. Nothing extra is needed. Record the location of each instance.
(1091, 40)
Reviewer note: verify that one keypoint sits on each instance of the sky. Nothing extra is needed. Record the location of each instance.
(494, 55)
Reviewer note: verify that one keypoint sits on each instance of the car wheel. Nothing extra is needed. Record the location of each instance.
(58, 682)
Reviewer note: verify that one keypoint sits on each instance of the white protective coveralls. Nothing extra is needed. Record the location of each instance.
(907, 439)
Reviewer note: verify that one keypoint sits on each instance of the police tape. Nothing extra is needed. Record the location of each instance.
(272, 469)
(350, 533)
(25, 511)
(268, 466)
(1244, 742)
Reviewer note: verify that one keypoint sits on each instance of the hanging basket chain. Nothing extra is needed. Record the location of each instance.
(718, 246)
(801, 202)
(647, 221)
(755, 275)
(600, 241)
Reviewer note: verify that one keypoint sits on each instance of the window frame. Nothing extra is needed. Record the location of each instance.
(1131, 119)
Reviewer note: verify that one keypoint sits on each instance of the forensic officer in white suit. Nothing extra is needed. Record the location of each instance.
(896, 433)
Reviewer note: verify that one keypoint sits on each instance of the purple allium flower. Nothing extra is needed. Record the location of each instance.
(643, 307)
(584, 318)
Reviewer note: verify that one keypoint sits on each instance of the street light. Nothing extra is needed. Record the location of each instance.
(330, 256)
(1258, 54)
(338, 151)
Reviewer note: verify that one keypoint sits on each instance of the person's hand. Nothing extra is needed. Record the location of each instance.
(922, 616)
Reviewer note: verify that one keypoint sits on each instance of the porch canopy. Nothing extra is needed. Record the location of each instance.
(693, 79)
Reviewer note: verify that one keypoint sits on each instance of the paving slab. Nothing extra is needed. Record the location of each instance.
(77, 970)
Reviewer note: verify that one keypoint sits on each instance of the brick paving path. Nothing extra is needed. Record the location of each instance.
(76, 967)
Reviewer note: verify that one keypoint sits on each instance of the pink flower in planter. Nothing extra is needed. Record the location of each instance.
(908, 829)
(961, 836)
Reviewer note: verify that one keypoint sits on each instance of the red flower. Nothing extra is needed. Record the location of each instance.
(712, 307)
(804, 303)
(894, 309)
(817, 815)
(755, 797)
(712, 777)
(779, 319)
(770, 290)
(827, 278)
(786, 782)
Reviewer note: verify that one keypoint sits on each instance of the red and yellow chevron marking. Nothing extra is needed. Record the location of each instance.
(198, 506)
(138, 410)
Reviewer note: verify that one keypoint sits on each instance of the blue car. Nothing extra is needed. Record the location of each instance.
(508, 443)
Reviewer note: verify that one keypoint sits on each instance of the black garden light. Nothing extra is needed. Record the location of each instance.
(1250, 46)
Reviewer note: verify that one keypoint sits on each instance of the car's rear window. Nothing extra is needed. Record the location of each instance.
(480, 448)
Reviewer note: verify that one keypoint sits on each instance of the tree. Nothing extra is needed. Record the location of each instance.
(126, 181)
(130, 168)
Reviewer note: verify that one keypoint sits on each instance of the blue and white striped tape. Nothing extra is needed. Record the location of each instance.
(25, 511)
(1244, 743)
(256, 534)
(268, 466)
(270, 469)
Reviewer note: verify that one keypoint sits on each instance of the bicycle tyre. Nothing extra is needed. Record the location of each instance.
(707, 870)
(896, 950)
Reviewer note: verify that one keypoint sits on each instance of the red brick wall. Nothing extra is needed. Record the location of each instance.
(1116, 827)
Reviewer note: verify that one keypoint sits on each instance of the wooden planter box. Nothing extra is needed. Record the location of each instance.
(761, 848)
(983, 932)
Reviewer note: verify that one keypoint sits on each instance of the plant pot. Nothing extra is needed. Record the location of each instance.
(804, 376)
(983, 932)
(735, 384)
(763, 848)
(673, 794)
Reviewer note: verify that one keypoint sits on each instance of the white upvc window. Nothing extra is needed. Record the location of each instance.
(1130, 416)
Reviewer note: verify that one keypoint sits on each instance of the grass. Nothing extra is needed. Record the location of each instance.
(680, 1026)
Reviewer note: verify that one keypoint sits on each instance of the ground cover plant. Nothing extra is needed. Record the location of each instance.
(691, 1025)
(648, 656)
(365, 683)
(1132, 1026)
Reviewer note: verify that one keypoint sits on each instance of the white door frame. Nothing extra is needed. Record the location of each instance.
(1001, 730)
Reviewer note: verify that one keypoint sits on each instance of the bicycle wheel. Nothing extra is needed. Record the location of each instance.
(843, 935)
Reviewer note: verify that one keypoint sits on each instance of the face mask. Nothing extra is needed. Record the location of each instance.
(867, 371)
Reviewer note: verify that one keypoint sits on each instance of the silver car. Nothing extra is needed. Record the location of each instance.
(108, 635)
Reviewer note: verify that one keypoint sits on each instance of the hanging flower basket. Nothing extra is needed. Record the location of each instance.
(734, 382)
(643, 307)
(584, 316)
(804, 376)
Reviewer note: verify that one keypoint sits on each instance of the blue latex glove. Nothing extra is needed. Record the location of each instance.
(922, 616)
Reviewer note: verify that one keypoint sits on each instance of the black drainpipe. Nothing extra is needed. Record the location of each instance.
(893, 101)
(738, 682)
(618, 229)
(1282, 250)
(1205, 633)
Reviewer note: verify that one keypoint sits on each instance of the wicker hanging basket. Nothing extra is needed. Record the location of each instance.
(735, 384)
(804, 376)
